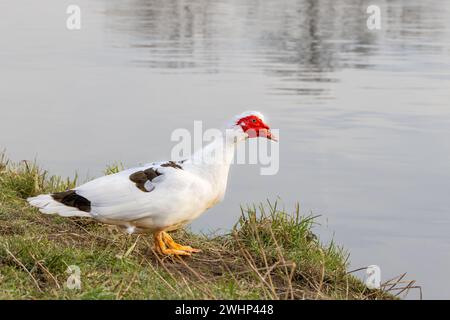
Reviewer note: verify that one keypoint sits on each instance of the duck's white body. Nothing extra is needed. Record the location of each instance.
(180, 193)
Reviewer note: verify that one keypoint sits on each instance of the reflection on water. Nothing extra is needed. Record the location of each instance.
(363, 115)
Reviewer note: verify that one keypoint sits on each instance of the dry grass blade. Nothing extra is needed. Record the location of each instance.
(25, 269)
(283, 261)
(251, 263)
(46, 271)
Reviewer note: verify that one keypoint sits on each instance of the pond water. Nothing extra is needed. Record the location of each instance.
(364, 116)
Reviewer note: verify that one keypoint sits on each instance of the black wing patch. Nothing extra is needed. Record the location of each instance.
(143, 179)
(71, 199)
(173, 165)
(140, 178)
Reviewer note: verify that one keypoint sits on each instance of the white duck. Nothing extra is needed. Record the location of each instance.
(160, 196)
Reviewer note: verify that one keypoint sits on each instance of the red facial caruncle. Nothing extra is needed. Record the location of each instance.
(255, 127)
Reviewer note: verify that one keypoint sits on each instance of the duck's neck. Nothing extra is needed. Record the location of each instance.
(214, 159)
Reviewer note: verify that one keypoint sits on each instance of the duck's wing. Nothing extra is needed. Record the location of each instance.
(124, 196)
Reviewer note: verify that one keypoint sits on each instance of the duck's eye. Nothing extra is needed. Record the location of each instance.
(254, 120)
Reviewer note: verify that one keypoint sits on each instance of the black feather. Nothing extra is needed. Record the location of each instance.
(71, 199)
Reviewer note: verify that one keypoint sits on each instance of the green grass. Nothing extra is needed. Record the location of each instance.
(269, 254)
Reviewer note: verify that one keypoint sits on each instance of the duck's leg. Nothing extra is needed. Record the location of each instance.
(161, 247)
(173, 245)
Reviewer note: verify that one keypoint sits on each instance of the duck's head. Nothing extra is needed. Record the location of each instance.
(253, 125)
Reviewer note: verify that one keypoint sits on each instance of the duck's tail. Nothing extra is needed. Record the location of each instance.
(48, 205)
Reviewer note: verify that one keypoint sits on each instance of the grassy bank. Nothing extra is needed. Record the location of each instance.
(268, 255)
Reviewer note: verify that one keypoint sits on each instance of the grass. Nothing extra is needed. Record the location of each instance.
(269, 254)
